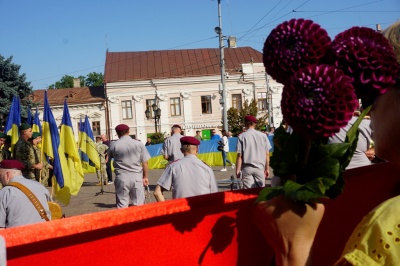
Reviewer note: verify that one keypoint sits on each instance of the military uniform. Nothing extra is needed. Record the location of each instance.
(15, 207)
(24, 152)
(172, 147)
(253, 146)
(128, 157)
(188, 177)
(102, 172)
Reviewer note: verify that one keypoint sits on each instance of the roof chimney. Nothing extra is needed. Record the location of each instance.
(77, 82)
(232, 42)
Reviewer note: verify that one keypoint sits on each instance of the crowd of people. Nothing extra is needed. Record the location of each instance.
(187, 176)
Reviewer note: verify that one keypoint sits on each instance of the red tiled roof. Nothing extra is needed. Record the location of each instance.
(73, 95)
(131, 66)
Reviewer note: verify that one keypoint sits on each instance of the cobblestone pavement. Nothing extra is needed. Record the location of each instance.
(88, 202)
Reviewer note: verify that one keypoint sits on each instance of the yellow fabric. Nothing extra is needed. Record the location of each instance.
(376, 239)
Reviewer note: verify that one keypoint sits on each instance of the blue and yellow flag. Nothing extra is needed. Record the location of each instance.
(29, 118)
(13, 121)
(68, 145)
(36, 126)
(87, 144)
(53, 150)
(84, 157)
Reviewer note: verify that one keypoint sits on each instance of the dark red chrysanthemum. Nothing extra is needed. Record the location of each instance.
(318, 101)
(293, 45)
(367, 57)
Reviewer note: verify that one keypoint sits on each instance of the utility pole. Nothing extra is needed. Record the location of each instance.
(269, 102)
(222, 65)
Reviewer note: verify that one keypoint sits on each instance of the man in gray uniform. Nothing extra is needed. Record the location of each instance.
(130, 167)
(172, 146)
(15, 207)
(188, 176)
(252, 163)
(364, 143)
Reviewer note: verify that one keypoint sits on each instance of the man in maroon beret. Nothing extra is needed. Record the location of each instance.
(188, 176)
(15, 207)
(252, 162)
(171, 147)
(130, 167)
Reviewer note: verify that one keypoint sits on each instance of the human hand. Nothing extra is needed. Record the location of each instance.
(38, 166)
(145, 181)
(370, 153)
(266, 172)
(289, 228)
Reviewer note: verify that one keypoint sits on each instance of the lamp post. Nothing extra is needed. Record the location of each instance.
(156, 115)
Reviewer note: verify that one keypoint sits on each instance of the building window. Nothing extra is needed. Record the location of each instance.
(96, 128)
(149, 107)
(237, 101)
(206, 104)
(175, 106)
(262, 101)
(126, 109)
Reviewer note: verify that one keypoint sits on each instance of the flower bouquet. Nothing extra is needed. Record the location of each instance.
(324, 81)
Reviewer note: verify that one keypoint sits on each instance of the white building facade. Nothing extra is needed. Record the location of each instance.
(190, 100)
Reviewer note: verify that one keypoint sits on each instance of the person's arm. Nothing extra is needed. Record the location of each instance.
(266, 170)
(238, 164)
(289, 228)
(145, 173)
(158, 193)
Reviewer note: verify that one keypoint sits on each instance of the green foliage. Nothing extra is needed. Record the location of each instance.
(236, 117)
(13, 83)
(91, 80)
(310, 176)
(65, 82)
(94, 79)
(157, 138)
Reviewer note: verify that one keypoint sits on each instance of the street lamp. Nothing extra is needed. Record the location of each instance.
(157, 114)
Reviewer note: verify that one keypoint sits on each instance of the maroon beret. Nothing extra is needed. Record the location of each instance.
(12, 164)
(121, 127)
(190, 141)
(250, 118)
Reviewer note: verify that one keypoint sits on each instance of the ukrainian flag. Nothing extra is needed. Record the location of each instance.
(68, 145)
(13, 121)
(29, 118)
(36, 126)
(53, 150)
(87, 144)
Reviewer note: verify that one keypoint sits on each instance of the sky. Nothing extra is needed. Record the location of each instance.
(50, 39)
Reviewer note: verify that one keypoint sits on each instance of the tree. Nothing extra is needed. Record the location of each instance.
(65, 82)
(236, 117)
(94, 79)
(91, 80)
(12, 83)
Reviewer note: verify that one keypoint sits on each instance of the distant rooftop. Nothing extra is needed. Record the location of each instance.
(135, 66)
(73, 95)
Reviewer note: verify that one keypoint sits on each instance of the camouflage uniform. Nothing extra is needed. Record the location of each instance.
(5, 154)
(44, 173)
(23, 152)
(102, 150)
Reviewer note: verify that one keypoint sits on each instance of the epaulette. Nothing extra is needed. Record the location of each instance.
(205, 163)
(174, 161)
